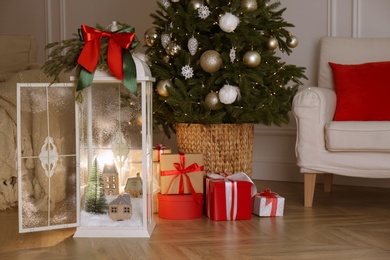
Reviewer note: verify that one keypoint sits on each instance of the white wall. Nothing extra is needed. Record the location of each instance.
(274, 156)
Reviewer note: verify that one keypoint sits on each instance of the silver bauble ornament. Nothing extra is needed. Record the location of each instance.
(272, 43)
(165, 39)
(193, 45)
(195, 4)
(212, 100)
(210, 61)
(249, 5)
(162, 86)
(292, 42)
(228, 22)
(251, 59)
(228, 94)
(172, 48)
(150, 36)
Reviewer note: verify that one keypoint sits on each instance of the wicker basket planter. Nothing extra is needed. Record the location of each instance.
(226, 147)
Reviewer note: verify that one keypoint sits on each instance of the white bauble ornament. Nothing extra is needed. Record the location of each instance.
(228, 94)
(210, 61)
(292, 42)
(172, 48)
(165, 39)
(212, 100)
(150, 36)
(192, 45)
(162, 86)
(272, 43)
(251, 59)
(228, 22)
(249, 5)
(195, 4)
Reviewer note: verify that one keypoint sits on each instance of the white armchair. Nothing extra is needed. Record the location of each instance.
(349, 148)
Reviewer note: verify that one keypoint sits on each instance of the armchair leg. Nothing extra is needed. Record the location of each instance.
(309, 186)
(328, 179)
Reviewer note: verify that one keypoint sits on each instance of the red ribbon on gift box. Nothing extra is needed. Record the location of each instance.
(179, 172)
(270, 197)
(160, 150)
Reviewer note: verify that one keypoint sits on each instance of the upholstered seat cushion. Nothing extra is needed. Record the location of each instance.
(358, 136)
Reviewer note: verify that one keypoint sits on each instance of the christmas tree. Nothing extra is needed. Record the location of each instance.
(95, 200)
(215, 62)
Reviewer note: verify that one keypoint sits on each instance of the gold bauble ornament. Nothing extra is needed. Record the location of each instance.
(251, 59)
(175, 1)
(210, 61)
(272, 43)
(212, 100)
(195, 4)
(249, 5)
(162, 86)
(166, 58)
(138, 120)
(150, 36)
(292, 42)
(172, 48)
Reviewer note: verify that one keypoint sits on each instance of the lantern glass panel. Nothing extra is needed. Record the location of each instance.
(115, 135)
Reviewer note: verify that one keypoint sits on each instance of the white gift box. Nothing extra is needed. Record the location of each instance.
(274, 207)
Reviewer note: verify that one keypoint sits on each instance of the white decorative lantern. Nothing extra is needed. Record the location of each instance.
(112, 128)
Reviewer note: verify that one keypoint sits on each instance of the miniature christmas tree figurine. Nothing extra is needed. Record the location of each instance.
(95, 201)
(215, 62)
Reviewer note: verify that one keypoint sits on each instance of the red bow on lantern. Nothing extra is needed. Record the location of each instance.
(180, 171)
(90, 54)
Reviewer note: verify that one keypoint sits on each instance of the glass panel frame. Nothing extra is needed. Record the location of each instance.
(47, 171)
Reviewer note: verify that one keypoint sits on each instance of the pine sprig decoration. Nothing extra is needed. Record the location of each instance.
(266, 89)
(63, 55)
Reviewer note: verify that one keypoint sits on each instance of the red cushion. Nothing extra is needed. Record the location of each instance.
(363, 91)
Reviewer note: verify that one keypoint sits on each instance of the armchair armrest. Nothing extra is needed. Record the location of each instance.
(315, 105)
(312, 108)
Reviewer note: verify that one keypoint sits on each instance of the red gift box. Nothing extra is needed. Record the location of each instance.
(180, 206)
(229, 198)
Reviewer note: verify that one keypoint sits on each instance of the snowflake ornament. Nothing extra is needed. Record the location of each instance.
(203, 12)
(187, 72)
(165, 3)
(232, 55)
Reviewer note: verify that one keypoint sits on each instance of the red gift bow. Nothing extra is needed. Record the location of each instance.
(90, 54)
(160, 150)
(269, 197)
(180, 171)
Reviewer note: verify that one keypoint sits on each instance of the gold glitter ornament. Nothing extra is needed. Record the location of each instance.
(210, 61)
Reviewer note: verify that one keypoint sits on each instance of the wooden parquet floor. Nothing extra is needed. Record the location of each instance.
(349, 223)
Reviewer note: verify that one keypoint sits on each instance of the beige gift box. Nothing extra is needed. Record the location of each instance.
(170, 176)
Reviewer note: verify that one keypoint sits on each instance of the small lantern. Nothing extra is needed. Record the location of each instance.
(115, 129)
